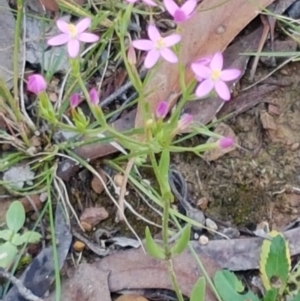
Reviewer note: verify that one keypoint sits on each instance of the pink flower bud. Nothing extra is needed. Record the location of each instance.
(184, 122)
(74, 100)
(36, 83)
(131, 56)
(225, 142)
(161, 109)
(94, 96)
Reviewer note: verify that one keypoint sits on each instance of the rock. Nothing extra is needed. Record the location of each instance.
(96, 184)
(93, 215)
(78, 246)
(211, 225)
(203, 240)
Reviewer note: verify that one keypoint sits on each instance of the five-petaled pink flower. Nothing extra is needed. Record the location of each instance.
(157, 46)
(36, 83)
(214, 77)
(180, 14)
(73, 35)
(149, 2)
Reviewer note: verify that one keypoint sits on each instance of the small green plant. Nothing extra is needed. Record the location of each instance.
(15, 219)
(279, 281)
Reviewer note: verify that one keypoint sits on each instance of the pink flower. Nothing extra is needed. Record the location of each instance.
(180, 14)
(149, 2)
(157, 46)
(184, 122)
(214, 77)
(94, 96)
(202, 61)
(162, 109)
(225, 142)
(74, 100)
(73, 35)
(36, 83)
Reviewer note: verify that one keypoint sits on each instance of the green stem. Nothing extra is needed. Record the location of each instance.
(165, 220)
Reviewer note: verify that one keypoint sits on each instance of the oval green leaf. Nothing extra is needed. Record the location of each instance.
(15, 216)
(198, 292)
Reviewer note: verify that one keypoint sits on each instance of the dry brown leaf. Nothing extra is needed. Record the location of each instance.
(133, 269)
(211, 29)
(53, 6)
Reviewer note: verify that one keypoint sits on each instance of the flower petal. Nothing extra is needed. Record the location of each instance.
(171, 7)
(150, 2)
(172, 40)
(59, 40)
(169, 55)
(62, 26)
(204, 88)
(189, 6)
(222, 90)
(83, 25)
(88, 37)
(153, 33)
(143, 44)
(73, 48)
(216, 62)
(131, 1)
(201, 70)
(230, 74)
(151, 58)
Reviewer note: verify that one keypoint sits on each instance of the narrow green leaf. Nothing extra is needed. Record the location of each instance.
(152, 247)
(164, 166)
(231, 288)
(198, 292)
(15, 216)
(183, 241)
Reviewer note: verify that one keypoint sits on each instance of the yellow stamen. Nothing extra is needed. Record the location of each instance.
(160, 43)
(216, 75)
(72, 30)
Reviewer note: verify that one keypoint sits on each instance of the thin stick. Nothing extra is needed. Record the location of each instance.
(120, 214)
(24, 292)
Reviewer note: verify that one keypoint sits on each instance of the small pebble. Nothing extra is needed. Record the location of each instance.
(118, 179)
(86, 226)
(202, 203)
(231, 232)
(211, 225)
(53, 97)
(295, 146)
(203, 240)
(78, 246)
(283, 72)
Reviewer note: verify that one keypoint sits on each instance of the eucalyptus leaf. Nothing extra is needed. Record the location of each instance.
(30, 237)
(198, 292)
(152, 247)
(7, 254)
(6, 234)
(183, 241)
(15, 216)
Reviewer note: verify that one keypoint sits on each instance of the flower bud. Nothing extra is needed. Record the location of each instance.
(131, 56)
(184, 122)
(36, 83)
(74, 100)
(161, 109)
(225, 142)
(94, 96)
